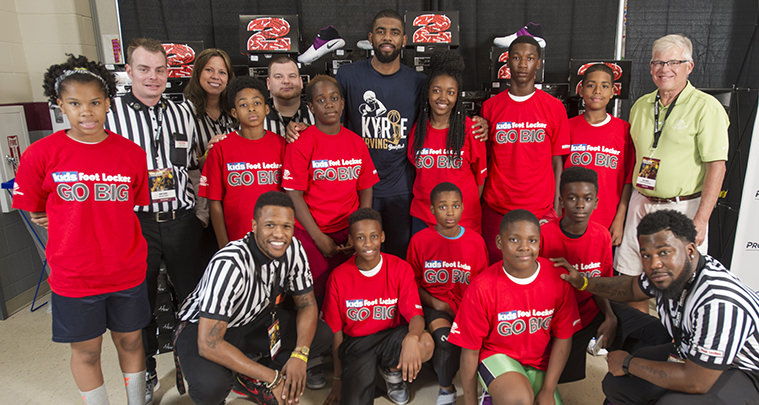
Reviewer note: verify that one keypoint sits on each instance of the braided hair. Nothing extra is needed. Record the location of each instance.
(443, 63)
(81, 70)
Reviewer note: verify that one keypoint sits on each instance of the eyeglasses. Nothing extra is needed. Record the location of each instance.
(671, 63)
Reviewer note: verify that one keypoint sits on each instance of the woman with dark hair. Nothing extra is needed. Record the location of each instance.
(442, 146)
(206, 98)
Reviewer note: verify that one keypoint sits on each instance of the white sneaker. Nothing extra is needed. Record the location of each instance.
(364, 44)
(446, 398)
(326, 41)
(532, 29)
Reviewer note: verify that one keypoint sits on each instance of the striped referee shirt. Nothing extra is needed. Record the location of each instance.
(207, 127)
(720, 318)
(276, 123)
(236, 285)
(166, 132)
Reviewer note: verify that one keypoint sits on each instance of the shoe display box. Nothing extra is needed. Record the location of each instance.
(418, 56)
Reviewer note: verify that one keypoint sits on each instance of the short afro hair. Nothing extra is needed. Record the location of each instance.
(525, 39)
(516, 216)
(273, 198)
(442, 188)
(578, 174)
(365, 213)
(309, 93)
(245, 82)
(77, 69)
(387, 13)
(668, 220)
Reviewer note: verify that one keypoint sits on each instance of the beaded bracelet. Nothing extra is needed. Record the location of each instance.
(275, 383)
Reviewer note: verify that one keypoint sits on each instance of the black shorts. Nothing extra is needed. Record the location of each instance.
(84, 318)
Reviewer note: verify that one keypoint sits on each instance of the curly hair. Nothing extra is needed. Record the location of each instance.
(81, 70)
(668, 220)
(443, 63)
(245, 82)
(364, 213)
(194, 91)
(578, 174)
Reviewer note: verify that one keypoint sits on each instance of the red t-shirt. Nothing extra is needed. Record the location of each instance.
(95, 244)
(360, 306)
(444, 266)
(498, 315)
(330, 170)
(524, 136)
(607, 149)
(433, 167)
(590, 254)
(237, 172)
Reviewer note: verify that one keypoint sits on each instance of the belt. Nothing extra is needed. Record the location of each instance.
(673, 199)
(163, 216)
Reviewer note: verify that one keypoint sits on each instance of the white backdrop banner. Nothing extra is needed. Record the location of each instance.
(745, 262)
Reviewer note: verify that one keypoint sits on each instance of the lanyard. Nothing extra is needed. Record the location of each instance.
(678, 318)
(657, 130)
(158, 136)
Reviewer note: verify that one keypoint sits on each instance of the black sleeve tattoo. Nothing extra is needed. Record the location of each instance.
(303, 301)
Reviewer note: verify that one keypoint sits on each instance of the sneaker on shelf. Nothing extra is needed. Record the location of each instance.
(151, 385)
(445, 397)
(254, 390)
(326, 41)
(315, 379)
(364, 44)
(532, 29)
(485, 399)
(397, 392)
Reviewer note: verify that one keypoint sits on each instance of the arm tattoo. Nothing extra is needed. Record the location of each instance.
(302, 301)
(214, 334)
(616, 288)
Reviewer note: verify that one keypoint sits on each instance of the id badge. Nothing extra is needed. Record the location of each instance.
(275, 343)
(649, 167)
(162, 185)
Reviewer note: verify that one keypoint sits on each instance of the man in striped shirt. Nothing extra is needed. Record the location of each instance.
(712, 316)
(228, 315)
(166, 132)
(285, 106)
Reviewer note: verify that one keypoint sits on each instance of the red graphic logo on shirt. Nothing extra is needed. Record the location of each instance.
(80, 191)
(442, 272)
(246, 174)
(600, 156)
(379, 309)
(336, 170)
(440, 158)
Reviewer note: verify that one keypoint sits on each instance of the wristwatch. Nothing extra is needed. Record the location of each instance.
(626, 364)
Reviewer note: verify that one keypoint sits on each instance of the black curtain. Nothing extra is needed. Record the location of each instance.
(723, 35)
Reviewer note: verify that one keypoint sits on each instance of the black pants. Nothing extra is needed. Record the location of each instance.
(396, 222)
(732, 388)
(634, 330)
(446, 357)
(181, 246)
(209, 382)
(360, 357)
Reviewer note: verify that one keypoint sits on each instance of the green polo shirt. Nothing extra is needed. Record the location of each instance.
(695, 133)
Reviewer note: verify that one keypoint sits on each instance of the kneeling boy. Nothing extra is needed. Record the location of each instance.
(368, 301)
(516, 320)
(445, 258)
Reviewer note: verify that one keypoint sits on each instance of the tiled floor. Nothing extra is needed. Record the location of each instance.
(34, 370)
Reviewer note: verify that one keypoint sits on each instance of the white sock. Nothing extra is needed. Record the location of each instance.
(135, 387)
(98, 396)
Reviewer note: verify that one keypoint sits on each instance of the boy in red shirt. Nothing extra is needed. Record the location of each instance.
(372, 306)
(528, 136)
(445, 258)
(586, 245)
(516, 321)
(328, 174)
(576, 241)
(602, 143)
(244, 165)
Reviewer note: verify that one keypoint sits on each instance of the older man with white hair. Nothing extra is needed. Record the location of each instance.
(681, 143)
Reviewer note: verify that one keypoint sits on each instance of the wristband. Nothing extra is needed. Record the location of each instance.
(299, 356)
(626, 364)
(337, 377)
(584, 284)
